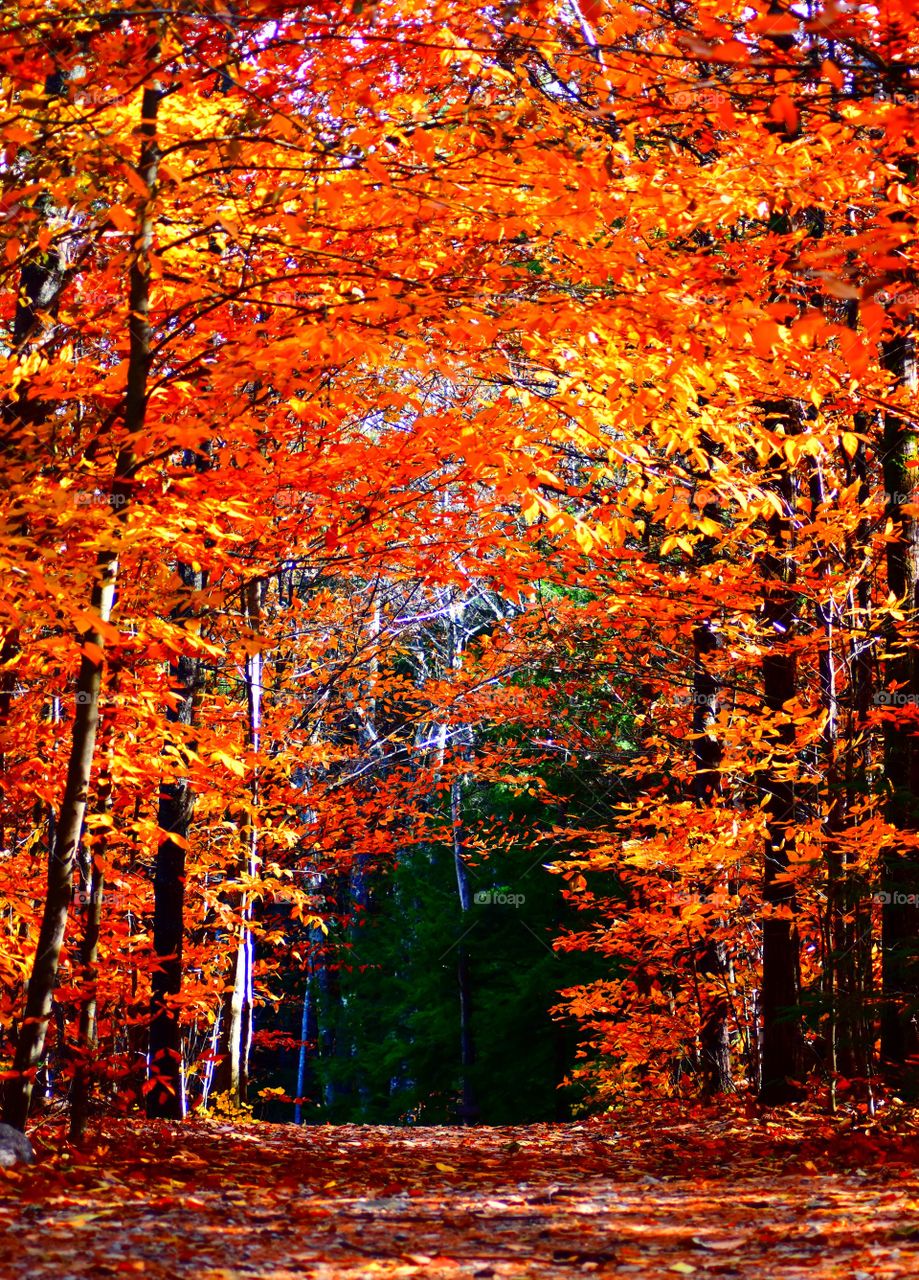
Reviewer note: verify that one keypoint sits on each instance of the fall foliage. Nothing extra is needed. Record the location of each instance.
(594, 1198)
(459, 481)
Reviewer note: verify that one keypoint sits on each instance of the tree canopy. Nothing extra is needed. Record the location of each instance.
(460, 557)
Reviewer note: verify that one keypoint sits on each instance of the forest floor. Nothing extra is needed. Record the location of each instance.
(666, 1193)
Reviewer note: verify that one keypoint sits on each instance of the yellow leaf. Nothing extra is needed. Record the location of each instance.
(235, 766)
(793, 448)
(584, 538)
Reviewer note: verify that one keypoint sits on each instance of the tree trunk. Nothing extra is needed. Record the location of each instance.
(94, 881)
(166, 1095)
(712, 963)
(231, 1075)
(307, 1035)
(31, 1042)
(469, 1110)
(853, 937)
(900, 867)
(228, 1071)
(780, 995)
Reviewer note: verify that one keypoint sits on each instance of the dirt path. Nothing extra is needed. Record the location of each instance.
(222, 1202)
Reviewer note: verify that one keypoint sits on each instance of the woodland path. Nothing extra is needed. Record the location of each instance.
(662, 1196)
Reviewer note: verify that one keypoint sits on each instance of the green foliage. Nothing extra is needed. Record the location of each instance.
(388, 1047)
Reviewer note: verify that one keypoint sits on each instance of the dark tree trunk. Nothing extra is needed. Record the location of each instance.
(852, 936)
(166, 1084)
(308, 1035)
(712, 961)
(900, 868)
(61, 864)
(780, 994)
(468, 1109)
(166, 1097)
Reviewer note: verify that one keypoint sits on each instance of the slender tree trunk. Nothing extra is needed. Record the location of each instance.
(900, 868)
(207, 1082)
(9, 655)
(712, 963)
(228, 1071)
(166, 1095)
(854, 937)
(166, 1084)
(232, 1072)
(306, 1021)
(33, 1031)
(469, 1109)
(87, 1034)
(253, 676)
(780, 996)
(832, 806)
